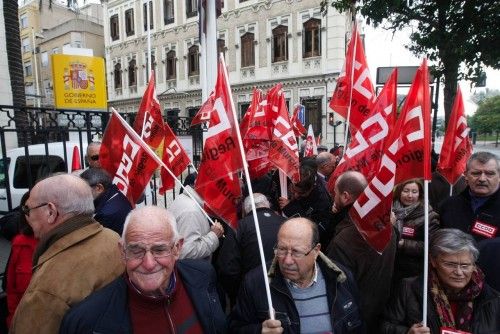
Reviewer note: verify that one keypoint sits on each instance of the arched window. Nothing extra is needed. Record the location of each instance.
(193, 61)
(118, 75)
(280, 43)
(132, 73)
(247, 50)
(170, 65)
(311, 38)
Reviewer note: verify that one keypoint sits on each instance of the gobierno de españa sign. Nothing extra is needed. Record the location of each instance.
(79, 82)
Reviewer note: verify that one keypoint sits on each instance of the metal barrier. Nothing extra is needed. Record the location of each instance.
(47, 125)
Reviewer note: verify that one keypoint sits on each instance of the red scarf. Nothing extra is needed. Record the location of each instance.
(464, 299)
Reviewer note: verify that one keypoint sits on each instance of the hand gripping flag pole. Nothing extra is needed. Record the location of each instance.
(250, 192)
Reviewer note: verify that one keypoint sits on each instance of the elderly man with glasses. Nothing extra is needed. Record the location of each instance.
(75, 255)
(157, 293)
(310, 293)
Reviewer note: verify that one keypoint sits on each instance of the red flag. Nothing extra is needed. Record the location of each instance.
(356, 79)
(174, 157)
(217, 183)
(150, 129)
(298, 128)
(311, 148)
(457, 147)
(256, 137)
(203, 115)
(284, 153)
(404, 157)
(124, 156)
(366, 146)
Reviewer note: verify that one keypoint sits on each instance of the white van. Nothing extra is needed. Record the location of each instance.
(43, 160)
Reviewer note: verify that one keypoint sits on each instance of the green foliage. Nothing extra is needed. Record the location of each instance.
(486, 119)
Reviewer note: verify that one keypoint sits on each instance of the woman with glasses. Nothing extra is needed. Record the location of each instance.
(459, 300)
(408, 208)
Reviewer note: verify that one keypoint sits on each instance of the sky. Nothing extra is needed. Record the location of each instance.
(385, 49)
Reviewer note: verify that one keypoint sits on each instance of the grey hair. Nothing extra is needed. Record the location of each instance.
(94, 143)
(483, 158)
(261, 201)
(69, 193)
(451, 241)
(149, 212)
(94, 176)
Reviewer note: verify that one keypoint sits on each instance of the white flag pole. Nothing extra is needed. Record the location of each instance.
(250, 192)
(347, 122)
(451, 189)
(283, 184)
(159, 161)
(426, 252)
(149, 35)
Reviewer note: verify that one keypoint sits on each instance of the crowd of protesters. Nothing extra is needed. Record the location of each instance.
(84, 261)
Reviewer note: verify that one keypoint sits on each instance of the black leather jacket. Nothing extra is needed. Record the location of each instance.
(405, 309)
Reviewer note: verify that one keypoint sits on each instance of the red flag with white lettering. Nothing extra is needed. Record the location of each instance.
(256, 137)
(203, 115)
(125, 158)
(356, 79)
(149, 121)
(284, 152)
(406, 155)
(174, 157)
(366, 146)
(217, 182)
(457, 147)
(311, 148)
(298, 128)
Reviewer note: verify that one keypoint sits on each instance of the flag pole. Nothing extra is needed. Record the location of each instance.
(148, 26)
(159, 161)
(426, 251)
(250, 192)
(451, 189)
(347, 122)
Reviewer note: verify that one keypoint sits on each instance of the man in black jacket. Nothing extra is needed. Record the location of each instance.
(157, 293)
(111, 206)
(372, 271)
(310, 293)
(476, 210)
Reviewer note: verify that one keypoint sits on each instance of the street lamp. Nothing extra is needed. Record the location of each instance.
(337, 123)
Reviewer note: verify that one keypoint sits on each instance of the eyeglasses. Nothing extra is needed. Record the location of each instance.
(283, 252)
(138, 251)
(452, 266)
(94, 157)
(26, 209)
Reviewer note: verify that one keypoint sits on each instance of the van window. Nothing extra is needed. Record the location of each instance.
(4, 166)
(40, 166)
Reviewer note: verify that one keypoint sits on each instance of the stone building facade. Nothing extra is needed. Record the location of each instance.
(264, 42)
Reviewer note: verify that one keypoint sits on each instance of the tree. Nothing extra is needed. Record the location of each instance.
(15, 67)
(486, 119)
(461, 36)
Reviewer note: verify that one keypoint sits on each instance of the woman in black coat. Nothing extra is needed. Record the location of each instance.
(408, 207)
(458, 297)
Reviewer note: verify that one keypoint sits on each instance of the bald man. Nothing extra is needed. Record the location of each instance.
(75, 255)
(310, 293)
(372, 271)
(157, 293)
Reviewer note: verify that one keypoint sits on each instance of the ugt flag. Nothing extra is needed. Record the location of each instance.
(126, 158)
